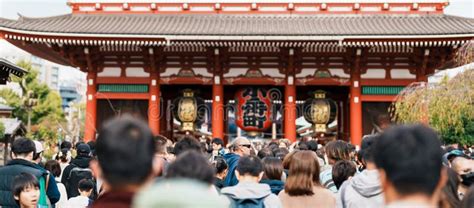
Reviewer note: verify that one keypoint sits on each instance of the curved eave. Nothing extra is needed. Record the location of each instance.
(237, 37)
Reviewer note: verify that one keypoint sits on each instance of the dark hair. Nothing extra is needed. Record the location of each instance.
(273, 145)
(410, 157)
(23, 146)
(312, 145)
(366, 152)
(265, 152)
(79, 143)
(341, 171)
(125, 151)
(85, 185)
(187, 143)
(66, 145)
(62, 155)
(338, 150)
(303, 174)
(281, 153)
(468, 200)
(92, 146)
(192, 165)
(272, 168)
(217, 141)
(22, 182)
(53, 167)
(220, 164)
(249, 165)
(160, 142)
(449, 195)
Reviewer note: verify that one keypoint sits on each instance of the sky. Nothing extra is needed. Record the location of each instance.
(43, 8)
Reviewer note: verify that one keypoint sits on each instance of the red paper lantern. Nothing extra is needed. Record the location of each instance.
(254, 109)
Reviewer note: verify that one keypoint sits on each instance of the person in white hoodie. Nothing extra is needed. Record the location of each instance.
(364, 189)
(85, 190)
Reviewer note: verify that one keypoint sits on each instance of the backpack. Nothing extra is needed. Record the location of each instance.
(43, 201)
(248, 203)
(72, 182)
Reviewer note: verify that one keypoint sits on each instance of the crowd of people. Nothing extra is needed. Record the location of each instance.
(127, 166)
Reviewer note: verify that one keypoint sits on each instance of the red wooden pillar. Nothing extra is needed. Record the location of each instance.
(91, 107)
(154, 97)
(356, 103)
(290, 101)
(217, 100)
(154, 103)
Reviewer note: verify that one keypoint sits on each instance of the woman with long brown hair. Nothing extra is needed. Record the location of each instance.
(302, 187)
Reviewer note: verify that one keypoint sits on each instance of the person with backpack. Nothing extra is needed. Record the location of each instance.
(249, 192)
(22, 162)
(77, 170)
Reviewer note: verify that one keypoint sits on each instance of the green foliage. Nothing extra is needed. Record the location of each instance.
(447, 107)
(46, 114)
(2, 131)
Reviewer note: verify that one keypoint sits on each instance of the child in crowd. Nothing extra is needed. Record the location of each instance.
(26, 190)
(85, 190)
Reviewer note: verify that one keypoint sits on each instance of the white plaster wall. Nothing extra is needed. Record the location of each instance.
(401, 74)
(136, 72)
(110, 72)
(374, 74)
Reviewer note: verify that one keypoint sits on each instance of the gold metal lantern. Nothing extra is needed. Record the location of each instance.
(320, 111)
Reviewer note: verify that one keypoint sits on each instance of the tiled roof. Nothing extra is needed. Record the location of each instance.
(11, 68)
(245, 25)
(11, 125)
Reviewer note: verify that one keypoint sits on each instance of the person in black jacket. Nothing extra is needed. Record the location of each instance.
(22, 154)
(81, 161)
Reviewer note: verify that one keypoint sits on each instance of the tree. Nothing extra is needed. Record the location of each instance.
(46, 114)
(448, 106)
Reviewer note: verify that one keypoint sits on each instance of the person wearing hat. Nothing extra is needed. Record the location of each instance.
(80, 163)
(240, 147)
(37, 155)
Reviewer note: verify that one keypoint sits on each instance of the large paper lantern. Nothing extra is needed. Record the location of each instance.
(187, 110)
(253, 110)
(320, 111)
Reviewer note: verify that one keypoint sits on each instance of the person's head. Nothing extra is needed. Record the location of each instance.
(312, 145)
(280, 153)
(409, 162)
(249, 168)
(341, 171)
(186, 143)
(83, 150)
(464, 167)
(272, 168)
(221, 167)
(366, 151)
(23, 148)
(449, 194)
(265, 152)
(191, 165)
(85, 187)
(53, 167)
(125, 152)
(337, 150)
(92, 147)
(26, 190)
(217, 144)
(66, 145)
(38, 151)
(303, 174)
(241, 146)
(161, 144)
(64, 155)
